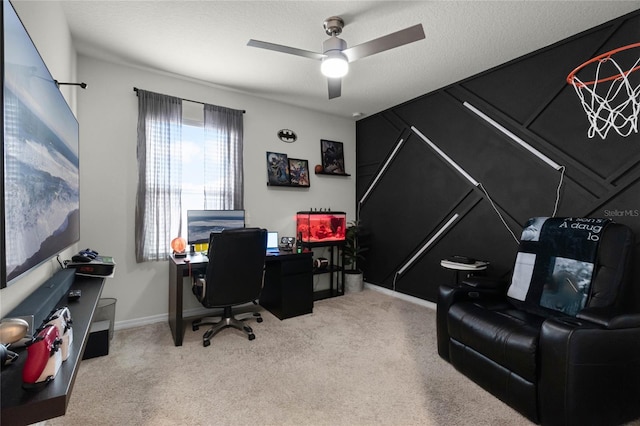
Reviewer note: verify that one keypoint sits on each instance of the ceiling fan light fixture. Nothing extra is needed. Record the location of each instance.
(335, 65)
(335, 56)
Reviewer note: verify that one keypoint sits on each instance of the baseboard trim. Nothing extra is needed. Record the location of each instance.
(194, 312)
(402, 296)
(139, 322)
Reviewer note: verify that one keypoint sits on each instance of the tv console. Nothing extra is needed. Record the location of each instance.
(22, 407)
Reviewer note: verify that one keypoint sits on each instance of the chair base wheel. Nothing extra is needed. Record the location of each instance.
(227, 320)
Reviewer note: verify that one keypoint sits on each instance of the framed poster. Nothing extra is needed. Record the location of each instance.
(277, 169)
(299, 172)
(332, 157)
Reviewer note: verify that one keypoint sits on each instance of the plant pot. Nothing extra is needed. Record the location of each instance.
(353, 281)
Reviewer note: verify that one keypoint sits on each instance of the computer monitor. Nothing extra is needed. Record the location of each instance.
(272, 241)
(201, 223)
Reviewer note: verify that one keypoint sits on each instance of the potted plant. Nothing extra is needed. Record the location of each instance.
(353, 279)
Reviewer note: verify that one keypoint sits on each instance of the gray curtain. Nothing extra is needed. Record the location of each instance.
(158, 206)
(223, 132)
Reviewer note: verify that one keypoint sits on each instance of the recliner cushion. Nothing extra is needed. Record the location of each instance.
(500, 332)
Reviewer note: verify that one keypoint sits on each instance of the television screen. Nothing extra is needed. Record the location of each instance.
(40, 150)
(201, 223)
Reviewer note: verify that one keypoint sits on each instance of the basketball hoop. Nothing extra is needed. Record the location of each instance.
(611, 99)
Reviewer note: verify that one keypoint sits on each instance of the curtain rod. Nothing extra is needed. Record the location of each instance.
(135, 89)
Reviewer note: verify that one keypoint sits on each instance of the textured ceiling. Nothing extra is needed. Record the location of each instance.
(206, 40)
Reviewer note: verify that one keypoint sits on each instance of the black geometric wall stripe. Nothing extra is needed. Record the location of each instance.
(527, 96)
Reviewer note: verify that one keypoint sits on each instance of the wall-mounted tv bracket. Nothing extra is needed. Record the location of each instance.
(82, 85)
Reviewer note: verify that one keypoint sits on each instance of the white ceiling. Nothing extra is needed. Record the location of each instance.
(206, 40)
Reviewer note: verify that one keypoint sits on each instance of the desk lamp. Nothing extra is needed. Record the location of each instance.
(178, 245)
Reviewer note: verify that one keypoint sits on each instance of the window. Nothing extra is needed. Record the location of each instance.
(209, 172)
(193, 167)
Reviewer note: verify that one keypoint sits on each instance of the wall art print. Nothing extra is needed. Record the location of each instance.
(332, 157)
(277, 168)
(299, 172)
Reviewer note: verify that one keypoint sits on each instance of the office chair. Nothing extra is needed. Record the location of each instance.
(233, 277)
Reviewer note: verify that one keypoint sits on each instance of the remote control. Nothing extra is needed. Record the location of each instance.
(462, 259)
(74, 295)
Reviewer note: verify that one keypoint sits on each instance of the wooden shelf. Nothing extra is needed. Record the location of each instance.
(332, 174)
(288, 185)
(22, 407)
(328, 270)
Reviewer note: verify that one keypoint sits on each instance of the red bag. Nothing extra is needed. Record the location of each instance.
(43, 357)
(61, 318)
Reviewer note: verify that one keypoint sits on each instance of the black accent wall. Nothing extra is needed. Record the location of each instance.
(419, 192)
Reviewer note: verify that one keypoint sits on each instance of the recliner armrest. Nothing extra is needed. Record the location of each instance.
(481, 282)
(581, 362)
(609, 319)
(449, 295)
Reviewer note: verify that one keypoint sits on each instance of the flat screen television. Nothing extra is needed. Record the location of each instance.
(40, 202)
(201, 223)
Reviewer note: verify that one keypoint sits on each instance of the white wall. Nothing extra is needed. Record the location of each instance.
(108, 173)
(48, 29)
(107, 111)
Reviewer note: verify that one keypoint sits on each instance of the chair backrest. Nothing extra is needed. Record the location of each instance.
(236, 267)
(567, 264)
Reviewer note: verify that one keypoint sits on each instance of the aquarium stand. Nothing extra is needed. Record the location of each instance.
(325, 229)
(335, 270)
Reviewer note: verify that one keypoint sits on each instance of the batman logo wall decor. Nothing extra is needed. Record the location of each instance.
(286, 135)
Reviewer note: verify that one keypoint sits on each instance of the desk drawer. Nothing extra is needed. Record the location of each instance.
(297, 266)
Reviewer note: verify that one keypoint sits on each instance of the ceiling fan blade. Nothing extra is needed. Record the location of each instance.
(285, 49)
(335, 87)
(399, 38)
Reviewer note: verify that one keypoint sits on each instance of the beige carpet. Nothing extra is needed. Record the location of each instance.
(360, 359)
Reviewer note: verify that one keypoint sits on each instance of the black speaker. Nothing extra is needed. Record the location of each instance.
(320, 264)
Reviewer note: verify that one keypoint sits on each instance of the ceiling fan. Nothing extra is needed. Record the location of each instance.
(335, 56)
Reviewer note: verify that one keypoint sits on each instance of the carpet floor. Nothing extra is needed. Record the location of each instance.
(361, 359)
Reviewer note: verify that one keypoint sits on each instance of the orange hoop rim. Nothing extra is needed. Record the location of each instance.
(607, 55)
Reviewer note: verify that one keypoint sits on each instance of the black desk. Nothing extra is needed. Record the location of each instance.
(287, 290)
(288, 285)
(21, 407)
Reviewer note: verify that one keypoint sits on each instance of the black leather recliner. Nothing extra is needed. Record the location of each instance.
(551, 366)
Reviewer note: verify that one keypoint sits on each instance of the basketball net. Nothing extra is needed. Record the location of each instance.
(610, 100)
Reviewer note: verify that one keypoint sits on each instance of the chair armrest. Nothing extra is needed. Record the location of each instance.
(582, 364)
(481, 282)
(449, 295)
(199, 287)
(609, 319)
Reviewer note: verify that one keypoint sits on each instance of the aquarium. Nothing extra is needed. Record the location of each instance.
(321, 227)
